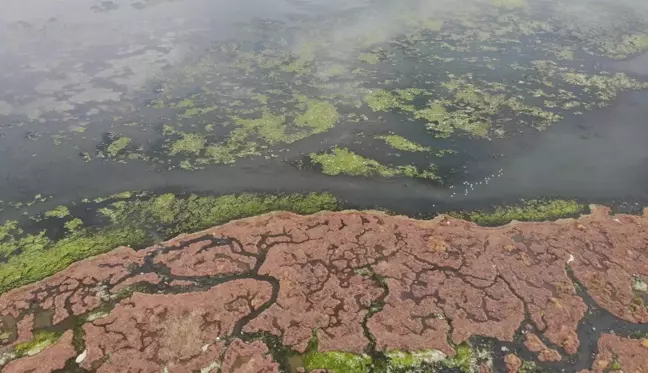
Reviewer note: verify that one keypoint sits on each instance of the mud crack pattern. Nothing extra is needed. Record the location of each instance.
(361, 281)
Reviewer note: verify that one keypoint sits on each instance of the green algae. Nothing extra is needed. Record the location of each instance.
(533, 210)
(622, 47)
(401, 143)
(58, 212)
(287, 91)
(370, 58)
(73, 225)
(117, 146)
(509, 4)
(464, 359)
(31, 257)
(404, 360)
(337, 362)
(191, 143)
(320, 116)
(342, 161)
(42, 340)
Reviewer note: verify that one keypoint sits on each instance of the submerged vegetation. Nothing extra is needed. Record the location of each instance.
(29, 253)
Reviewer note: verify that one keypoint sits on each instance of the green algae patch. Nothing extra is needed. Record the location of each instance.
(191, 143)
(337, 362)
(534, 210)
(42, 340)
(403, 360)
(464, 358)
(370, 58)
(320, 116)
(509, 4)
(342, 161)
(136, 223)
(384, 100)
(117, 146)
(401, 143)
(623, 47)
(58, 212)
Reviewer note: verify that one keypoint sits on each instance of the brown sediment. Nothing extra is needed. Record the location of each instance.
(356, 278)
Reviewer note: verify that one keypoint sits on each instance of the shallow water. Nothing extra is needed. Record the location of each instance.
(74, 71)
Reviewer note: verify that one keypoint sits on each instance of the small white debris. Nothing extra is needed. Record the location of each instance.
(205, 347)
(504, 349)
(571, 259)
(81, 357)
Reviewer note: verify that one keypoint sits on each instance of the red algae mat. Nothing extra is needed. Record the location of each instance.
(201, 301)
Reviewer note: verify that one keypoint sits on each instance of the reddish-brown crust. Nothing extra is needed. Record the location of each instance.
(253, 357)
(620, 355)
(534, 344)
(409, 282)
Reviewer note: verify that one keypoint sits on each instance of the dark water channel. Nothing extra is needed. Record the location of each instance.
(63, 62)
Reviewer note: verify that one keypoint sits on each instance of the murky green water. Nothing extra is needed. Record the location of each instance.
(415, 106)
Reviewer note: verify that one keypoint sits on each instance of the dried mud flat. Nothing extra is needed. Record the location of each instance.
(362, 282)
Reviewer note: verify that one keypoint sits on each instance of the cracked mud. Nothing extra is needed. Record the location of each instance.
(361, 282)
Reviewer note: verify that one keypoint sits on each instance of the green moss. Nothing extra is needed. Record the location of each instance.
(117, 146)
(320, 116)
(190, 143)
(32, 257)
(337, 362)
(534, 210)
(42, 339)
(401, 143)
(58, 212)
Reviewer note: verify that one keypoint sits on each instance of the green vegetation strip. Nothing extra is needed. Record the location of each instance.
(135, 222)
(533, 210)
